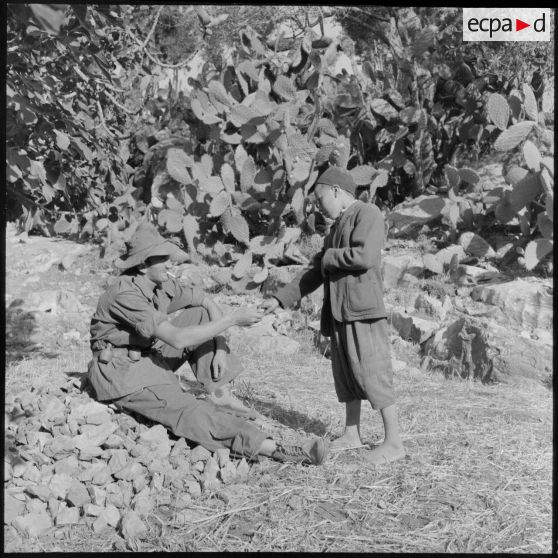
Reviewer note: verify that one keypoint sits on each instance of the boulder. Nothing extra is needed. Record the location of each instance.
(157, 439)
(67, 516)
(279, 277)
(131, 471)
(33, 524)
(433, 307)
(98, 495)
(476, 348)
(93, 510)
(12, 508)
(199, 453)
(110, 515)
(36, 506)
(132, 526)
(228, 473)
(394, 269)
(446, 254)
(118, 460)
(412, 328)
(39, 491)
(78, 495)
(193, 487)
(60, 447)
(528, 303)
(222, 456)
(95, 436)
(408, 217)
(60, 485)
(242, 470)
(143, 502)
(67, 466)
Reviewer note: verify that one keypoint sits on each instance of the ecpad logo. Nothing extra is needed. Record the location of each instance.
(506, 24)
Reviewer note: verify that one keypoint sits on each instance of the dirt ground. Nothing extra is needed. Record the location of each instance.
(477, 477)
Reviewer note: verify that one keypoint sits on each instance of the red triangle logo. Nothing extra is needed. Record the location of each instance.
(519, 25)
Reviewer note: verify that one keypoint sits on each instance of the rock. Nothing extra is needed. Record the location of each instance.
(446, 254)
(157, 439)
(228, 473)
(101, 477)
(66, 262)
(276, 344)
(143, 502)
(395, 267)
(139, 483)
(95, 437)
(53, 410)
(12, 508)
(42, 301)
(67, 516)
(132, 526)
(242, 470)
(193, 487)
(118, 460)
(83, 410)
(60, 447)
(110, 515)
(36, 506)
(412, 328)
(31, 473)
(93, 510)
(199, 453)
(544, 336)
(432, 307)
(408, 217)
(98, 418)
(39, 439)
(60, 485)
(99, 525)
(98, 495)
(496, 352)
(67, 466)
(78, 495)
(222, 456)
(39, 491)
(525, 303)
(132, 470)
(68, 302)
(475, 245)
(114, 495)
(33, 524)
(113, 442)
(278, 277)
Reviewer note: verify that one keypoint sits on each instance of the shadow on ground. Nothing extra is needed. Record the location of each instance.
(21, 326)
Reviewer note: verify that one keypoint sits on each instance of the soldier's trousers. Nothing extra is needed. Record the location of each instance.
(184, 415)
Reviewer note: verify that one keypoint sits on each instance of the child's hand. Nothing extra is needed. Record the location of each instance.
(269, 305)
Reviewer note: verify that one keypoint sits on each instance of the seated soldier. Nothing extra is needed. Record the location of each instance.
(137, 347)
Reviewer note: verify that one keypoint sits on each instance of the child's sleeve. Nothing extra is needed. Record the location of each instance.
(307, 281)
(366, 242)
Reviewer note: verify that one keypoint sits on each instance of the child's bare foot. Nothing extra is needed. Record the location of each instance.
(385, 453)
(346, 442)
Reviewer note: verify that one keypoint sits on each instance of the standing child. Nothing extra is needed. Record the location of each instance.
(353, 312)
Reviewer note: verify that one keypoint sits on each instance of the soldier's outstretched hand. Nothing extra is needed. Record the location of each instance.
(247, 316)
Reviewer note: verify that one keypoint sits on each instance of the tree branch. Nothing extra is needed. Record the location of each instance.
(152, 27)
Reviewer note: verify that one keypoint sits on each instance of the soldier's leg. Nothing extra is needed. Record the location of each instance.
(200, 360)
(197, 420)
(209, 426)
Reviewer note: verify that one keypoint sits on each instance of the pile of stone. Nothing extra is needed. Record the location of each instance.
(71, 460)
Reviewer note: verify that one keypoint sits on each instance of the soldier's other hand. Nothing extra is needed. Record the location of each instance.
(269, 305)
(247, 316)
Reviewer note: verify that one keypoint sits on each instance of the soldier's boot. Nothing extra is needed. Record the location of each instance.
(312, 452)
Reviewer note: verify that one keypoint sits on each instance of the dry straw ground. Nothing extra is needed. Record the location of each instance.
(477, 477)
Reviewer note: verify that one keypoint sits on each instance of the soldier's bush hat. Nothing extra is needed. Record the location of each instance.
(334, 176)
(146, 242)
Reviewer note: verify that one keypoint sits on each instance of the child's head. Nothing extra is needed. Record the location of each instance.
(334, 191)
